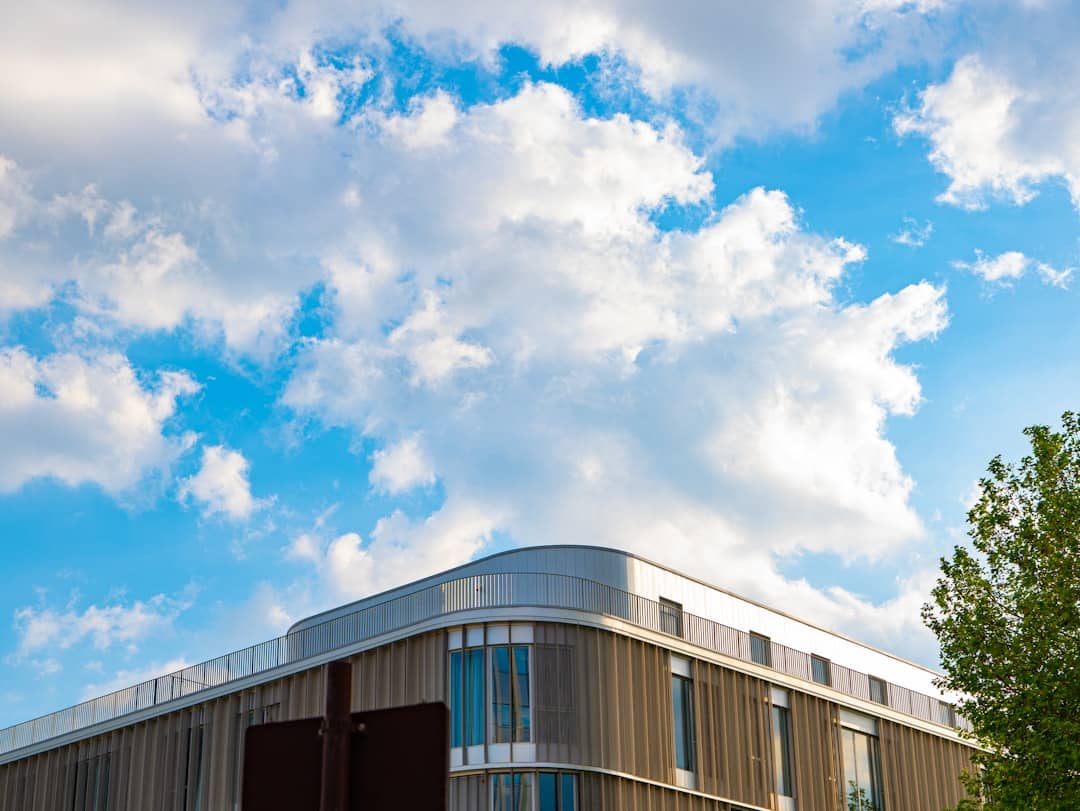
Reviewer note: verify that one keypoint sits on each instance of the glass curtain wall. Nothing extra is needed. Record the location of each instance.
(467, 697)
(862, 771)
(782, 749)
(682, 700)
(510, 703)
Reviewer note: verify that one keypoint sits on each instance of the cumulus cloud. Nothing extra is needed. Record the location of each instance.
(402, 466)
(399, 550)
(85, 419)
(46, 629)
(493, 277)
(221, 486)
(1009, 266)
(699, 396)
(1005, 120)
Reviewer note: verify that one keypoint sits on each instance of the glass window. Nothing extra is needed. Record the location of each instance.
(862, 771)
(502, 792)
(474, 696)
(782, 750)
(511, 711)
(671, 616)
(682, 699)
(555, 791)
(501, 694)
(549, 791)
(514, 792)
(567, 792)
(454, 690)
(759, 649)
(522, 709)
(878, 691)
(822, 670)
(466, 693)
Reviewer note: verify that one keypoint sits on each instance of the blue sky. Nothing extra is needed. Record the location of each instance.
(301, 302)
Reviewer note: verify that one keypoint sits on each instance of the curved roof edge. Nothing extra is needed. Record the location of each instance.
(482, 562)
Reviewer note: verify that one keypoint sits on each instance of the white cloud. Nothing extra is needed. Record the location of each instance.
(912, 234)
(701, 397)
(126, 678)
(14, 196)
(1006, 118)
(221, 486)
(1011, 265)
(400, 550)
(494, 280)
(85, 419)
(44, 629)
(402, 466)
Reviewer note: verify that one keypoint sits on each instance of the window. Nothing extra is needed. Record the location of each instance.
(534, 791)
(671, 617)
(821, 670)
(467, 697)
(682, 701)
(878, 691)
(862, 763)
(511, 712)
(781, 721)
(90, 791)
(760, 649)
(513, 791)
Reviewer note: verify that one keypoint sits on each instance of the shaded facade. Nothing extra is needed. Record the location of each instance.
(577, 678)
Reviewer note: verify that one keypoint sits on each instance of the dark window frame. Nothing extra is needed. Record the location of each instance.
(765, 645)
(826, 668)
(671, 617)
(880, 695)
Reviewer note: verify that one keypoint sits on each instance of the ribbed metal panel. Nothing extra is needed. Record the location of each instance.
(733, 734)
(442, 599)
(921, 772)
(468, 792)
(815, 729)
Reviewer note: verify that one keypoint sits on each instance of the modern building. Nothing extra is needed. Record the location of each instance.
(577, 678)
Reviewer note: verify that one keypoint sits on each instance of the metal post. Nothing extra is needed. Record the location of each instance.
(336, 735)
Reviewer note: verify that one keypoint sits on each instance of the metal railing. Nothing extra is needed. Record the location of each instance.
(484, 591)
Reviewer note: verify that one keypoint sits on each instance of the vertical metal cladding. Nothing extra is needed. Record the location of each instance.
(921, 772)
(192, 758)
(814, 730)
(468, 792)
(602, 792)
(622, 696)
(733, 734)
(601, 700)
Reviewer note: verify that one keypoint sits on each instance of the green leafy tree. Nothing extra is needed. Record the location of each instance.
(857, 800)
(1007, 615)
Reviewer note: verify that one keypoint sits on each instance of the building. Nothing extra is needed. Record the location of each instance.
(577, 678)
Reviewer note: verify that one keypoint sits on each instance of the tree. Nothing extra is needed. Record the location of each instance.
(1007, 616)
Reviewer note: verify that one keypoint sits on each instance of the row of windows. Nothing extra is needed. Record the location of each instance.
(858, 738)
(534, 791)
(511, 710)
(671, 622)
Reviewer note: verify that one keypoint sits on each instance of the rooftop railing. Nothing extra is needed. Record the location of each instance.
(475, 592)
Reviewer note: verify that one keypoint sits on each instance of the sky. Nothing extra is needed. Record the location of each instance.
(299, 302)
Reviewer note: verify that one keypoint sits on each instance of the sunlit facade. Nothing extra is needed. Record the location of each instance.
(576, 678)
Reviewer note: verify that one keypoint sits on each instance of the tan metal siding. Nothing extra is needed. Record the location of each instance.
(164, 763)
(733, 734)
(623, 700)
(921, 772)
(469, 792)
(602, 792)
(815, 751)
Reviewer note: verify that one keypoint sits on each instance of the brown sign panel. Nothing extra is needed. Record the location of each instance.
(400, 758)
